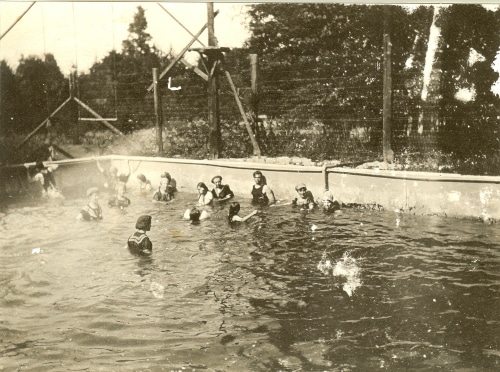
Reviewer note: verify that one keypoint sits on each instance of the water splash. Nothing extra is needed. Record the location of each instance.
(346, 268)
(157, 289)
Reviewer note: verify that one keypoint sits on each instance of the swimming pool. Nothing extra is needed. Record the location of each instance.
(365, 290)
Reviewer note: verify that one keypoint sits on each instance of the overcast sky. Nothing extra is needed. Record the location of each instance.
(84, 32)
(81, 33)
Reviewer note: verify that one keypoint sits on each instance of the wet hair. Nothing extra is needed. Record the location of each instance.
(141, 177)
(194, 214)
(143, 223)
(234, 208)
(202, 185)
(262, 177)
(166, 175)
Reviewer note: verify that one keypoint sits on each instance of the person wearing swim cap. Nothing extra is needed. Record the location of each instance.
(92, 211)
(305, 199)
(330, 205)
(139, 243)
(166, 189)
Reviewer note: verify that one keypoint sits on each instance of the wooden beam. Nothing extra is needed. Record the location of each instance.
(17, 20)
(195, 69)
(181, 54)
(256, 148)
(43, 122)
(105, 122)
(176, 20)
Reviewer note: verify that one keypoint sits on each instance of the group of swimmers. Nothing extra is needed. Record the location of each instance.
(139, 242)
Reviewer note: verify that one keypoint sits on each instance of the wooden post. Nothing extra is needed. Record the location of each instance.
(255, 145)
(73, 107)
(387, 92)
(158, 113)
(183, 51)
(213, 87)
(254, 101)
(212, 41)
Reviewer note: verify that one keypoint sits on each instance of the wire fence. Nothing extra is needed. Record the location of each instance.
(308, 113)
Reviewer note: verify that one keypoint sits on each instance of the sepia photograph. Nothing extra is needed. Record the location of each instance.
(233, 186)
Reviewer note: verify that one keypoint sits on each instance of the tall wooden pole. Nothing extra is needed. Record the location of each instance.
(74, 106)
(212, 41)
(387, 90)
(158, 113)
(255, 92)
(213, 88)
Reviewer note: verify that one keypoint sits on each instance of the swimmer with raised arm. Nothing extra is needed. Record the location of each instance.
(261, 192)
(112, 178)
(119, 199)
(45, 176)
(234, 209)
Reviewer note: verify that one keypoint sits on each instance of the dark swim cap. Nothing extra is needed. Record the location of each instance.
(143, 223)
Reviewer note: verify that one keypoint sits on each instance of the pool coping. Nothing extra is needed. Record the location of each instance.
(420, 192)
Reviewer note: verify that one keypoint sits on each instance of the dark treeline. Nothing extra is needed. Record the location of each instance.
(321, 68)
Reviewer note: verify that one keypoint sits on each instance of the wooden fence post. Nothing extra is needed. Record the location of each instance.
(158, 113)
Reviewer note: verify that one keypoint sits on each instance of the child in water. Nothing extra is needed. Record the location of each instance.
(138, 242)
(305, 199)
(92, 211)
(234, 209)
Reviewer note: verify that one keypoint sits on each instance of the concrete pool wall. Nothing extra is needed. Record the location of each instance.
(408, 192)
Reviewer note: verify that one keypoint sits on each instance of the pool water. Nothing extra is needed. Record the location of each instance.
(287, 290)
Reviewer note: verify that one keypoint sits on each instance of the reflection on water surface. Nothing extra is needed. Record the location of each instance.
(285, 291)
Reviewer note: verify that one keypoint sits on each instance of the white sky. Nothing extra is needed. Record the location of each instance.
(84, 32)
(81, 33)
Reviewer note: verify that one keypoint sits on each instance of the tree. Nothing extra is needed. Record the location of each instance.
(9, 109)
(324, 61)
(42, 88)
(137, 43)
(470, 128)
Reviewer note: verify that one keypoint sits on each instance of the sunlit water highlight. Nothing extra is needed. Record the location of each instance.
(286, 291)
